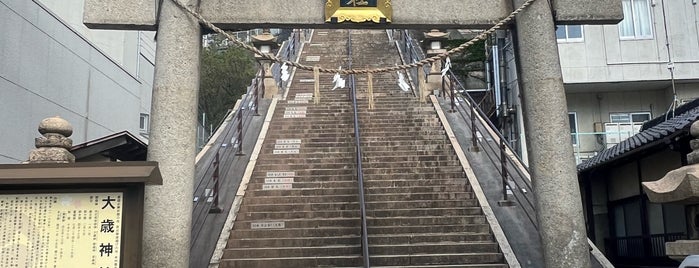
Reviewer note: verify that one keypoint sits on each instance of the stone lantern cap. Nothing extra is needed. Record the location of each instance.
(266, 38)
(677, 186)
(435, 34)
(680, 185)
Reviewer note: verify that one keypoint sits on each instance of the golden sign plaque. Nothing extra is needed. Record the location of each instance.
(378, 11)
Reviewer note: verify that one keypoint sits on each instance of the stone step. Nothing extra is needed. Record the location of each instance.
(297, 192)
(458, 176)
(370, 171)
(340, 231)
(296, 233)
(405, 158)
(284, 207)
(300, 199)
(398, 239)
(346, 109)
(398, 206)
(409, 164)
(290, 224)
(285, 252)
(280, 198)
(331, 166)
(419, 196)
(413, 238)
(267, 160)
(374, 250)
(328, 173)
(372, 186)
(417, 204)
(446, 258)
(354, 212)
(315, 261)
(295, 215)
(299, 125)
(293, 242)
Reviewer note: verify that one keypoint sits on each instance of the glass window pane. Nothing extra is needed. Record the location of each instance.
(561, 32)
(655, 218)
(620, 118)
(632, 216)
(619, 223)
(675, 220)
(574, 31)
(626, 25)
(641, 16)
(640, 117)
(572, 121)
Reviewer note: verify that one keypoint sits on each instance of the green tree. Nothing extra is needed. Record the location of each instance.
(226, 72)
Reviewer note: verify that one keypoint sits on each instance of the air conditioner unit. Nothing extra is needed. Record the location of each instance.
(618, 132)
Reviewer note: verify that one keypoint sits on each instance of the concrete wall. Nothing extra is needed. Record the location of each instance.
(592, 107)
(48, 68)
(604, 57)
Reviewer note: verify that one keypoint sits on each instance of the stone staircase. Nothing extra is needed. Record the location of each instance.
(421, 211)
(301, 205)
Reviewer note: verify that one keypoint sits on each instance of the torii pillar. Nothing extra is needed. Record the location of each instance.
(168, 207)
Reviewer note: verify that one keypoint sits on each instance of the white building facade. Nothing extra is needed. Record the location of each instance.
(618, 76)
(52, 65)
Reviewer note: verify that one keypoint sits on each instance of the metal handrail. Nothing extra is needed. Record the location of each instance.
(480, 111)
(223, 154)
(206, 191)
(514, 174)
(360, 172)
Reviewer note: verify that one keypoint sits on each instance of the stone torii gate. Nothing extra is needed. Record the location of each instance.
(168, 207)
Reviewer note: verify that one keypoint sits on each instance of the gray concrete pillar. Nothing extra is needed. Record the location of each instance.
(168, 208)
(551, 160)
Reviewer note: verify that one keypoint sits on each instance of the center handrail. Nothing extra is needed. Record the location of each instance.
(360, 172)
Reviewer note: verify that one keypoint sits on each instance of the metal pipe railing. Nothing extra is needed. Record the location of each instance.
(229, 146)
(496, 153)
(360, 172)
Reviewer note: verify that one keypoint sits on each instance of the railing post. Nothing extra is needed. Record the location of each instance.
(451, 89)
(505, 202)
(474, 132)
(444, 88)
(257, 97)
(215, 208)
(240, 133)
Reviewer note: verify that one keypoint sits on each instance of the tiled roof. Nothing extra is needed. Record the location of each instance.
(654, 130)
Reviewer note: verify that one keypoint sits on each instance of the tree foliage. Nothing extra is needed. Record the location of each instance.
(226, 72)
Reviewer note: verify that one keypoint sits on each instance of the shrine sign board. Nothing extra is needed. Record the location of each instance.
(338, 11)
(61, 229)
(64, 215)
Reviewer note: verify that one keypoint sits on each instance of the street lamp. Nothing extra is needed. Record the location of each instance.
(266, 43)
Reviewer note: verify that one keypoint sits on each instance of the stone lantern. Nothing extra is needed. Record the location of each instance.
(681, 186)
(266, 43)
(433, 44)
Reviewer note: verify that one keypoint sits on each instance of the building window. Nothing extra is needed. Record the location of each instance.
(569, 33)
(637, 20)
(143, 123)
(635, 118)
(573, 122)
